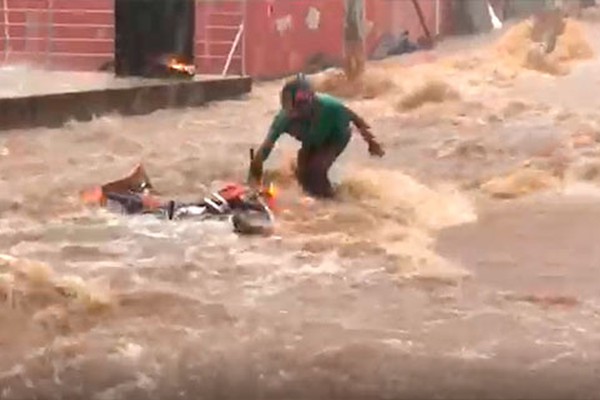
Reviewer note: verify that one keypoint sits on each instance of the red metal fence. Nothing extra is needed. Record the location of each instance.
(65, 34)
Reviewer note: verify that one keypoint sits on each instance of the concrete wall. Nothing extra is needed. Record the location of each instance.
(474, 16)
(55, 109)
(524, 8)
(286, 36)
(281, 36)
(478, 14)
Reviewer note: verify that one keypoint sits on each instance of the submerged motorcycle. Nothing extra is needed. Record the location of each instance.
(249, 209)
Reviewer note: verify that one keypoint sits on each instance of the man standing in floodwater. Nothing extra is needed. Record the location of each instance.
(322, 124)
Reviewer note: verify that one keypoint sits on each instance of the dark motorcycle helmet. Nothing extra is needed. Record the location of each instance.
(297, 96)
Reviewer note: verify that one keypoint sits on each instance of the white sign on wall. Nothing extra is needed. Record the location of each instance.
(313, 18)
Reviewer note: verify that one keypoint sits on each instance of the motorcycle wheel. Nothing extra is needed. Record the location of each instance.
(252, 222)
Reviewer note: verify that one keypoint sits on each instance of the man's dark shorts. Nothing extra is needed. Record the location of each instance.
(314, 165)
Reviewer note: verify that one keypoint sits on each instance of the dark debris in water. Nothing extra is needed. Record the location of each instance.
(546, 301)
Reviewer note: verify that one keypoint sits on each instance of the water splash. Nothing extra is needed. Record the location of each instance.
(517, 47)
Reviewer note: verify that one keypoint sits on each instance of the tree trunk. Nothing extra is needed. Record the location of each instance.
(355, 58)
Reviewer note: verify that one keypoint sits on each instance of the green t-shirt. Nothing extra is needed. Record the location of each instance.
(330, 124)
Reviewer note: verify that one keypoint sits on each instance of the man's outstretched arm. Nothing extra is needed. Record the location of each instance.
(278, 126)
(364, 129)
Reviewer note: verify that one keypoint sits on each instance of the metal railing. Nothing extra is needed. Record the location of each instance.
(7, 43)
(234, 46)
(238, 43)
(49, 33)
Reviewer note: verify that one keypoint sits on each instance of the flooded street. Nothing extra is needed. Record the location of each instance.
(463, 265)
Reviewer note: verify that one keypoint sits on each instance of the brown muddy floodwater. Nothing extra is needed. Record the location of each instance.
(464, 265)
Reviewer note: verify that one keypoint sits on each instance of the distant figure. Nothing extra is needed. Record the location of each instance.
(404, 45)
(390, 45)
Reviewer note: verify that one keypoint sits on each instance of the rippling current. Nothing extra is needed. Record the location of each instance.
(415, 283)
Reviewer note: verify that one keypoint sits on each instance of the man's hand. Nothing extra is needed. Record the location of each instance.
(375, 149)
